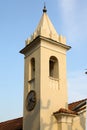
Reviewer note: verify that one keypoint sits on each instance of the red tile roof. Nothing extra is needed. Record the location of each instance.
(15, 124)
(67, 111)
(71, 106)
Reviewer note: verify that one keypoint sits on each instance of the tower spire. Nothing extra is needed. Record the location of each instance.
(44, 9)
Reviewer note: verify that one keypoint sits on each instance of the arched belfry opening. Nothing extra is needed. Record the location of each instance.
(53, 67)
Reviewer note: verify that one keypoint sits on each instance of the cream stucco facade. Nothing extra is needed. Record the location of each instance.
(45, 52)
(79, 122)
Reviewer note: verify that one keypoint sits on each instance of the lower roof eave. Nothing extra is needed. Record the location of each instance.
(64, 114)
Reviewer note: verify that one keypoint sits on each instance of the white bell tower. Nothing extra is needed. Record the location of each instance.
(45, 84)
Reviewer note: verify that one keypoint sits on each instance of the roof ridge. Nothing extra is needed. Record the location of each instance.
(72, 105)
(64, 110)
(78, 101)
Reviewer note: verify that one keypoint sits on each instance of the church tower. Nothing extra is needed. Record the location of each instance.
(45, 84)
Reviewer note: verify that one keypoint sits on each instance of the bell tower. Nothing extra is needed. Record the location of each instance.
(45, 84)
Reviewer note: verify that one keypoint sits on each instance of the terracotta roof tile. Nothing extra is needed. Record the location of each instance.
(15, 124)
(67, 111)
(71, 106)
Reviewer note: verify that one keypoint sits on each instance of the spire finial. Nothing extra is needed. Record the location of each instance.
(44, 10)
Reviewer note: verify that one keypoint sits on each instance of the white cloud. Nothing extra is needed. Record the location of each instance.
(67, 6)
(75, 20)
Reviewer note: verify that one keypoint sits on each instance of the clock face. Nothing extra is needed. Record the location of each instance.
(31, 100)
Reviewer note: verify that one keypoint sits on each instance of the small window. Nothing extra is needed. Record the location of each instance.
(32, 68)
(53, 67)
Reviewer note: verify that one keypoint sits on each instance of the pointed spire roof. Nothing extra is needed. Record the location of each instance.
(45, 28)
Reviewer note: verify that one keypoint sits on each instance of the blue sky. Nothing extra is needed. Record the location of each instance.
(18, 20)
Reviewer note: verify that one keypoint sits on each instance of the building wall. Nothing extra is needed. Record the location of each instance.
(53, 92)
(31, 120)
(79, 122)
